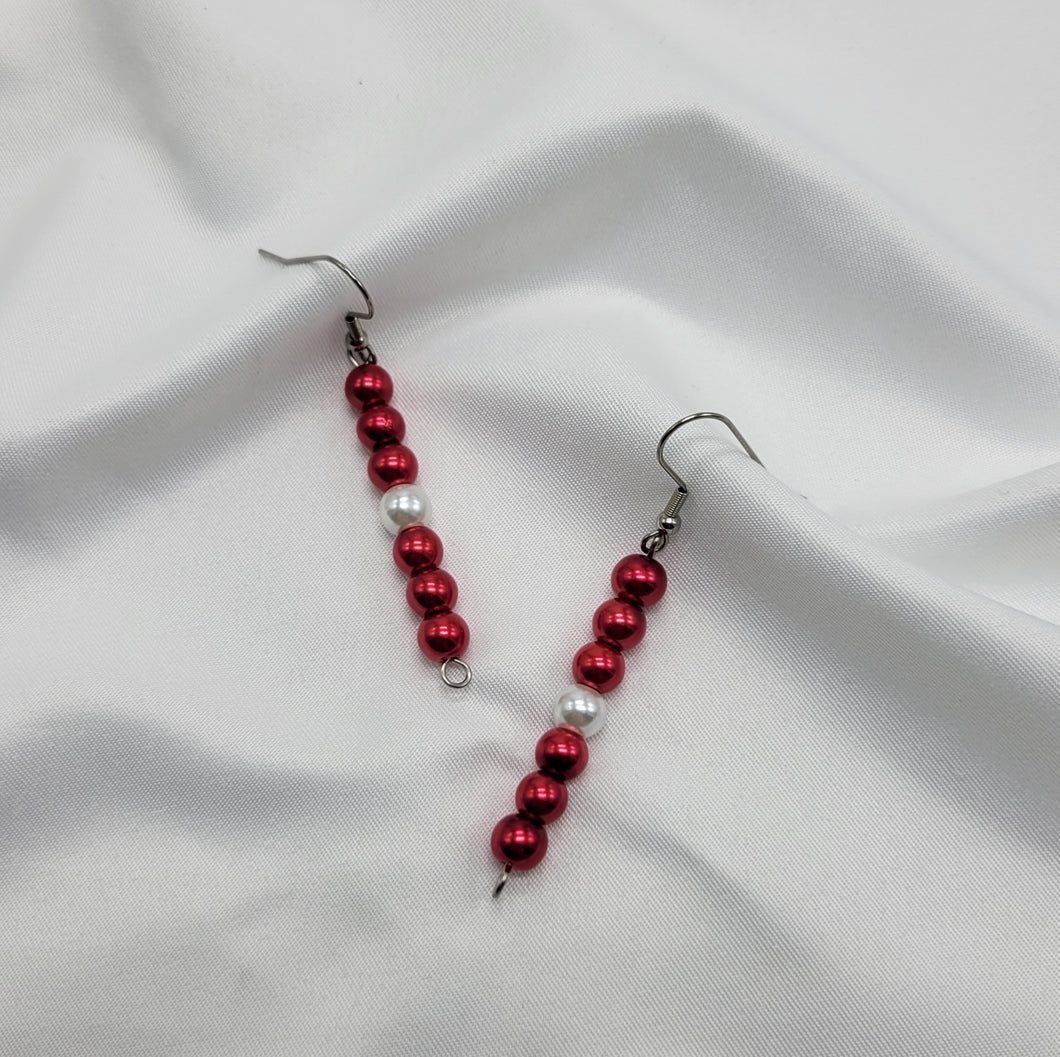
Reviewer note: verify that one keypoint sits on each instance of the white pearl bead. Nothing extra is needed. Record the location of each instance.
(404, 504)
(582, 708)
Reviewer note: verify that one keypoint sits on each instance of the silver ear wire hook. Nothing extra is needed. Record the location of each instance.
(669, 520)
(357, 347)
(338, 264)
(692, 418)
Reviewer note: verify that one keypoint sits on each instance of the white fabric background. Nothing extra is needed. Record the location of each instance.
(239, 813)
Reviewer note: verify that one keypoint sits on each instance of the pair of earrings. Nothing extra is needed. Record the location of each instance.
(519, 841)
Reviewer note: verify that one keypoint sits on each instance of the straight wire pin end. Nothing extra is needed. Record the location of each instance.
(503, 880)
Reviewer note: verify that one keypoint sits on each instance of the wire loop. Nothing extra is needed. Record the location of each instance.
(459, 681)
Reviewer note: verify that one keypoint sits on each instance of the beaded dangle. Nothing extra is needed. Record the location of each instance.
(404, 508)
(638, 581)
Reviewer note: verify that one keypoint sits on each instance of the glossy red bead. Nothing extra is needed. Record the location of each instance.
(639, 579)
(620, 622)
(541, 796)
(444, 635)
(599, 665)
(519, 841)
(562, 751)
(417, 548)
(392, 464)
(431, 591)
(368, 384)
(380, 424)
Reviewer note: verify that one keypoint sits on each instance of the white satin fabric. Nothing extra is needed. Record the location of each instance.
(239, 813)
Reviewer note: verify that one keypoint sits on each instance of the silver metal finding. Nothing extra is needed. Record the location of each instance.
(692, 418)
(503, 879)
(669, 520)
(357, 348)
(459, 681)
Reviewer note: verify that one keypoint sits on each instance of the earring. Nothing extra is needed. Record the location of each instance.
(519, 841)
(404, 508)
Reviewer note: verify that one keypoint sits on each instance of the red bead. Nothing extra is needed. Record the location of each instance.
(639, 579)
(444, 635)
(392, 464)
(620, 622)
(600, 666)
(368, 384)
(431, 591)
(417, 548)
(562, 751)
(541, 797)
(522, 842)
(380, 424)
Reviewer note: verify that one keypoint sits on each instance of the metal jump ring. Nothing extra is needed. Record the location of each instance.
(460, 681)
